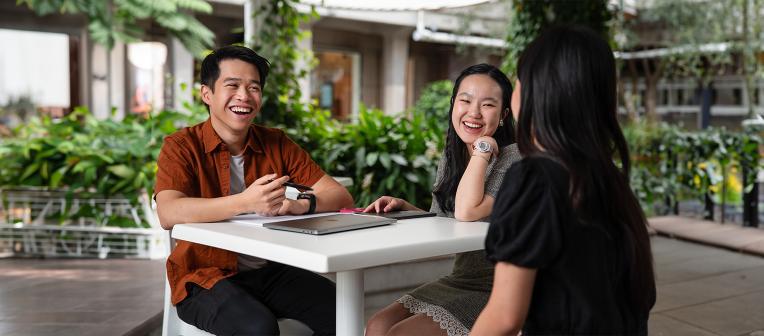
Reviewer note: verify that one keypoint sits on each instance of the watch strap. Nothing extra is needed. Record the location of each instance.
(311, 201)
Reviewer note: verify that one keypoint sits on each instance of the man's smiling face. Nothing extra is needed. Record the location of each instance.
(237, 96)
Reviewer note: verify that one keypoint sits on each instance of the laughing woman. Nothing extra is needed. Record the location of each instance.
(479, 150)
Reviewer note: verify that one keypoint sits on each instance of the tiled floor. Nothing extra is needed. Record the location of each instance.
(78, 297)
(706, 291)
(702, 290)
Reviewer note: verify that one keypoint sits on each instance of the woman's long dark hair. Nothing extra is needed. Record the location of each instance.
(455, 154)
(568, 111)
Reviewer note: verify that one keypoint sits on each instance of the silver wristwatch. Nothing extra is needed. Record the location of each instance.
(482, 146)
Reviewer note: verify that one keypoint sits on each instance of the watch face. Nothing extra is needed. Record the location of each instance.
(483, 147)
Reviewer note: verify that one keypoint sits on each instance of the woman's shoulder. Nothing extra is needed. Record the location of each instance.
(543, 168)
(544, 163)
(508, 155)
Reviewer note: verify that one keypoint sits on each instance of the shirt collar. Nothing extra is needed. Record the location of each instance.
(212, 140)
(254, 143)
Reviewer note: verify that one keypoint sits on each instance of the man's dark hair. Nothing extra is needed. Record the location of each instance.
(211, 63)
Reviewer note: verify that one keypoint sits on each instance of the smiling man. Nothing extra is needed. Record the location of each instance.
(227, 166)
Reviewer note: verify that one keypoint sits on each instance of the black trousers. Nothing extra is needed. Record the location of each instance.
(249, 302)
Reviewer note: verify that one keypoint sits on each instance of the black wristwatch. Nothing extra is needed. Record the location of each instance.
(311, 198)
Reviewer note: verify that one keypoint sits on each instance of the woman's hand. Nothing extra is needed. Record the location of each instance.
(491, 141)
(389, 203)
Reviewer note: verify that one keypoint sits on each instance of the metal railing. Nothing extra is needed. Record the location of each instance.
(55, 223)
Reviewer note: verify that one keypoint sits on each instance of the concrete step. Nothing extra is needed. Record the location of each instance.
(730, 236)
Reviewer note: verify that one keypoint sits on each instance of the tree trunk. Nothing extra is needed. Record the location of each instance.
(706, 100)
(651, 99)
(652, 75)
(630, 98)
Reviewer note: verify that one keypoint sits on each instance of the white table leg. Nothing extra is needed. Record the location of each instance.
(350, 303)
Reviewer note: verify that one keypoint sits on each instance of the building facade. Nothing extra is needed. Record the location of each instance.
(381, 56)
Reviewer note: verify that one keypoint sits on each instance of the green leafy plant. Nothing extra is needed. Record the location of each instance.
(435, 102)
(84, 155)
(383, 154)
(670, 164)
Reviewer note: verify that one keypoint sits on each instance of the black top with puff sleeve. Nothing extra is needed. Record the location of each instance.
(580, 286)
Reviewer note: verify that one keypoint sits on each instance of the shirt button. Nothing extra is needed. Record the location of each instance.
(225, 166)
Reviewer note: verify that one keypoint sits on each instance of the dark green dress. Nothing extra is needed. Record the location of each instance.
(456, 300)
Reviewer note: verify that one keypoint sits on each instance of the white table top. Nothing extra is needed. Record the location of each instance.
(404, 240)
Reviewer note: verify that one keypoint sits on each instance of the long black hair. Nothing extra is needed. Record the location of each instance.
(568, 111)
(456, 155)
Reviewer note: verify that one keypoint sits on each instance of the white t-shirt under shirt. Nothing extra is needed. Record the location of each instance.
(246, 262)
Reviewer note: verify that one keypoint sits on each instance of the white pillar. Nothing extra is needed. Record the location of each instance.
(107, 80)
(117, 82)
(251, 26)
(395, 53)
(249, 21)
(305, 45)
(85, 69)
(99, 79)
(183, 74)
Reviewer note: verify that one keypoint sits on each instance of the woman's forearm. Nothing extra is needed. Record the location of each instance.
(470, 194)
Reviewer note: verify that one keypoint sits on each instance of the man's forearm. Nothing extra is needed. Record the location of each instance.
(197, 210)
(333, 199)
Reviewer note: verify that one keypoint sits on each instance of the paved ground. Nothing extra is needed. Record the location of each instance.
(706, 290)
(702, 290)
(78, 297)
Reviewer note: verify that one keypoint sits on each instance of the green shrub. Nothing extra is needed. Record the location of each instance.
(383, 154)
(82, 154)
(670, 164)
(435, 102)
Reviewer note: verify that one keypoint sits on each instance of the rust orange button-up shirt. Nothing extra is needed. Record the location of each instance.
(195, 162)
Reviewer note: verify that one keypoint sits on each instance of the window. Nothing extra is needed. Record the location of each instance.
(335, 83)
(146, 70)
(663, 96)
(680, 97)
(729, 96)
(34, 75)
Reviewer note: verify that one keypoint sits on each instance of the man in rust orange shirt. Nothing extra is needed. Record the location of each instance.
(227, 166)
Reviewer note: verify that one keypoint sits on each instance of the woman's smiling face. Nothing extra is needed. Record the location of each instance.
(477, 108)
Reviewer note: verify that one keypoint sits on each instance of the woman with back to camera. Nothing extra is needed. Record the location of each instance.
(567, 234)
(479, 149)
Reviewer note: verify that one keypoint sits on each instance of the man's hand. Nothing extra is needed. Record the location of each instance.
(294, 207)
(265, 198)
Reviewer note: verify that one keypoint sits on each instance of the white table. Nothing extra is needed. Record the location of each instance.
(346, 253)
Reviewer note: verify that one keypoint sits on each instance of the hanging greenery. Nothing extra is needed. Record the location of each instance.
(117, 20)
(529, 17)
(276, 39)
